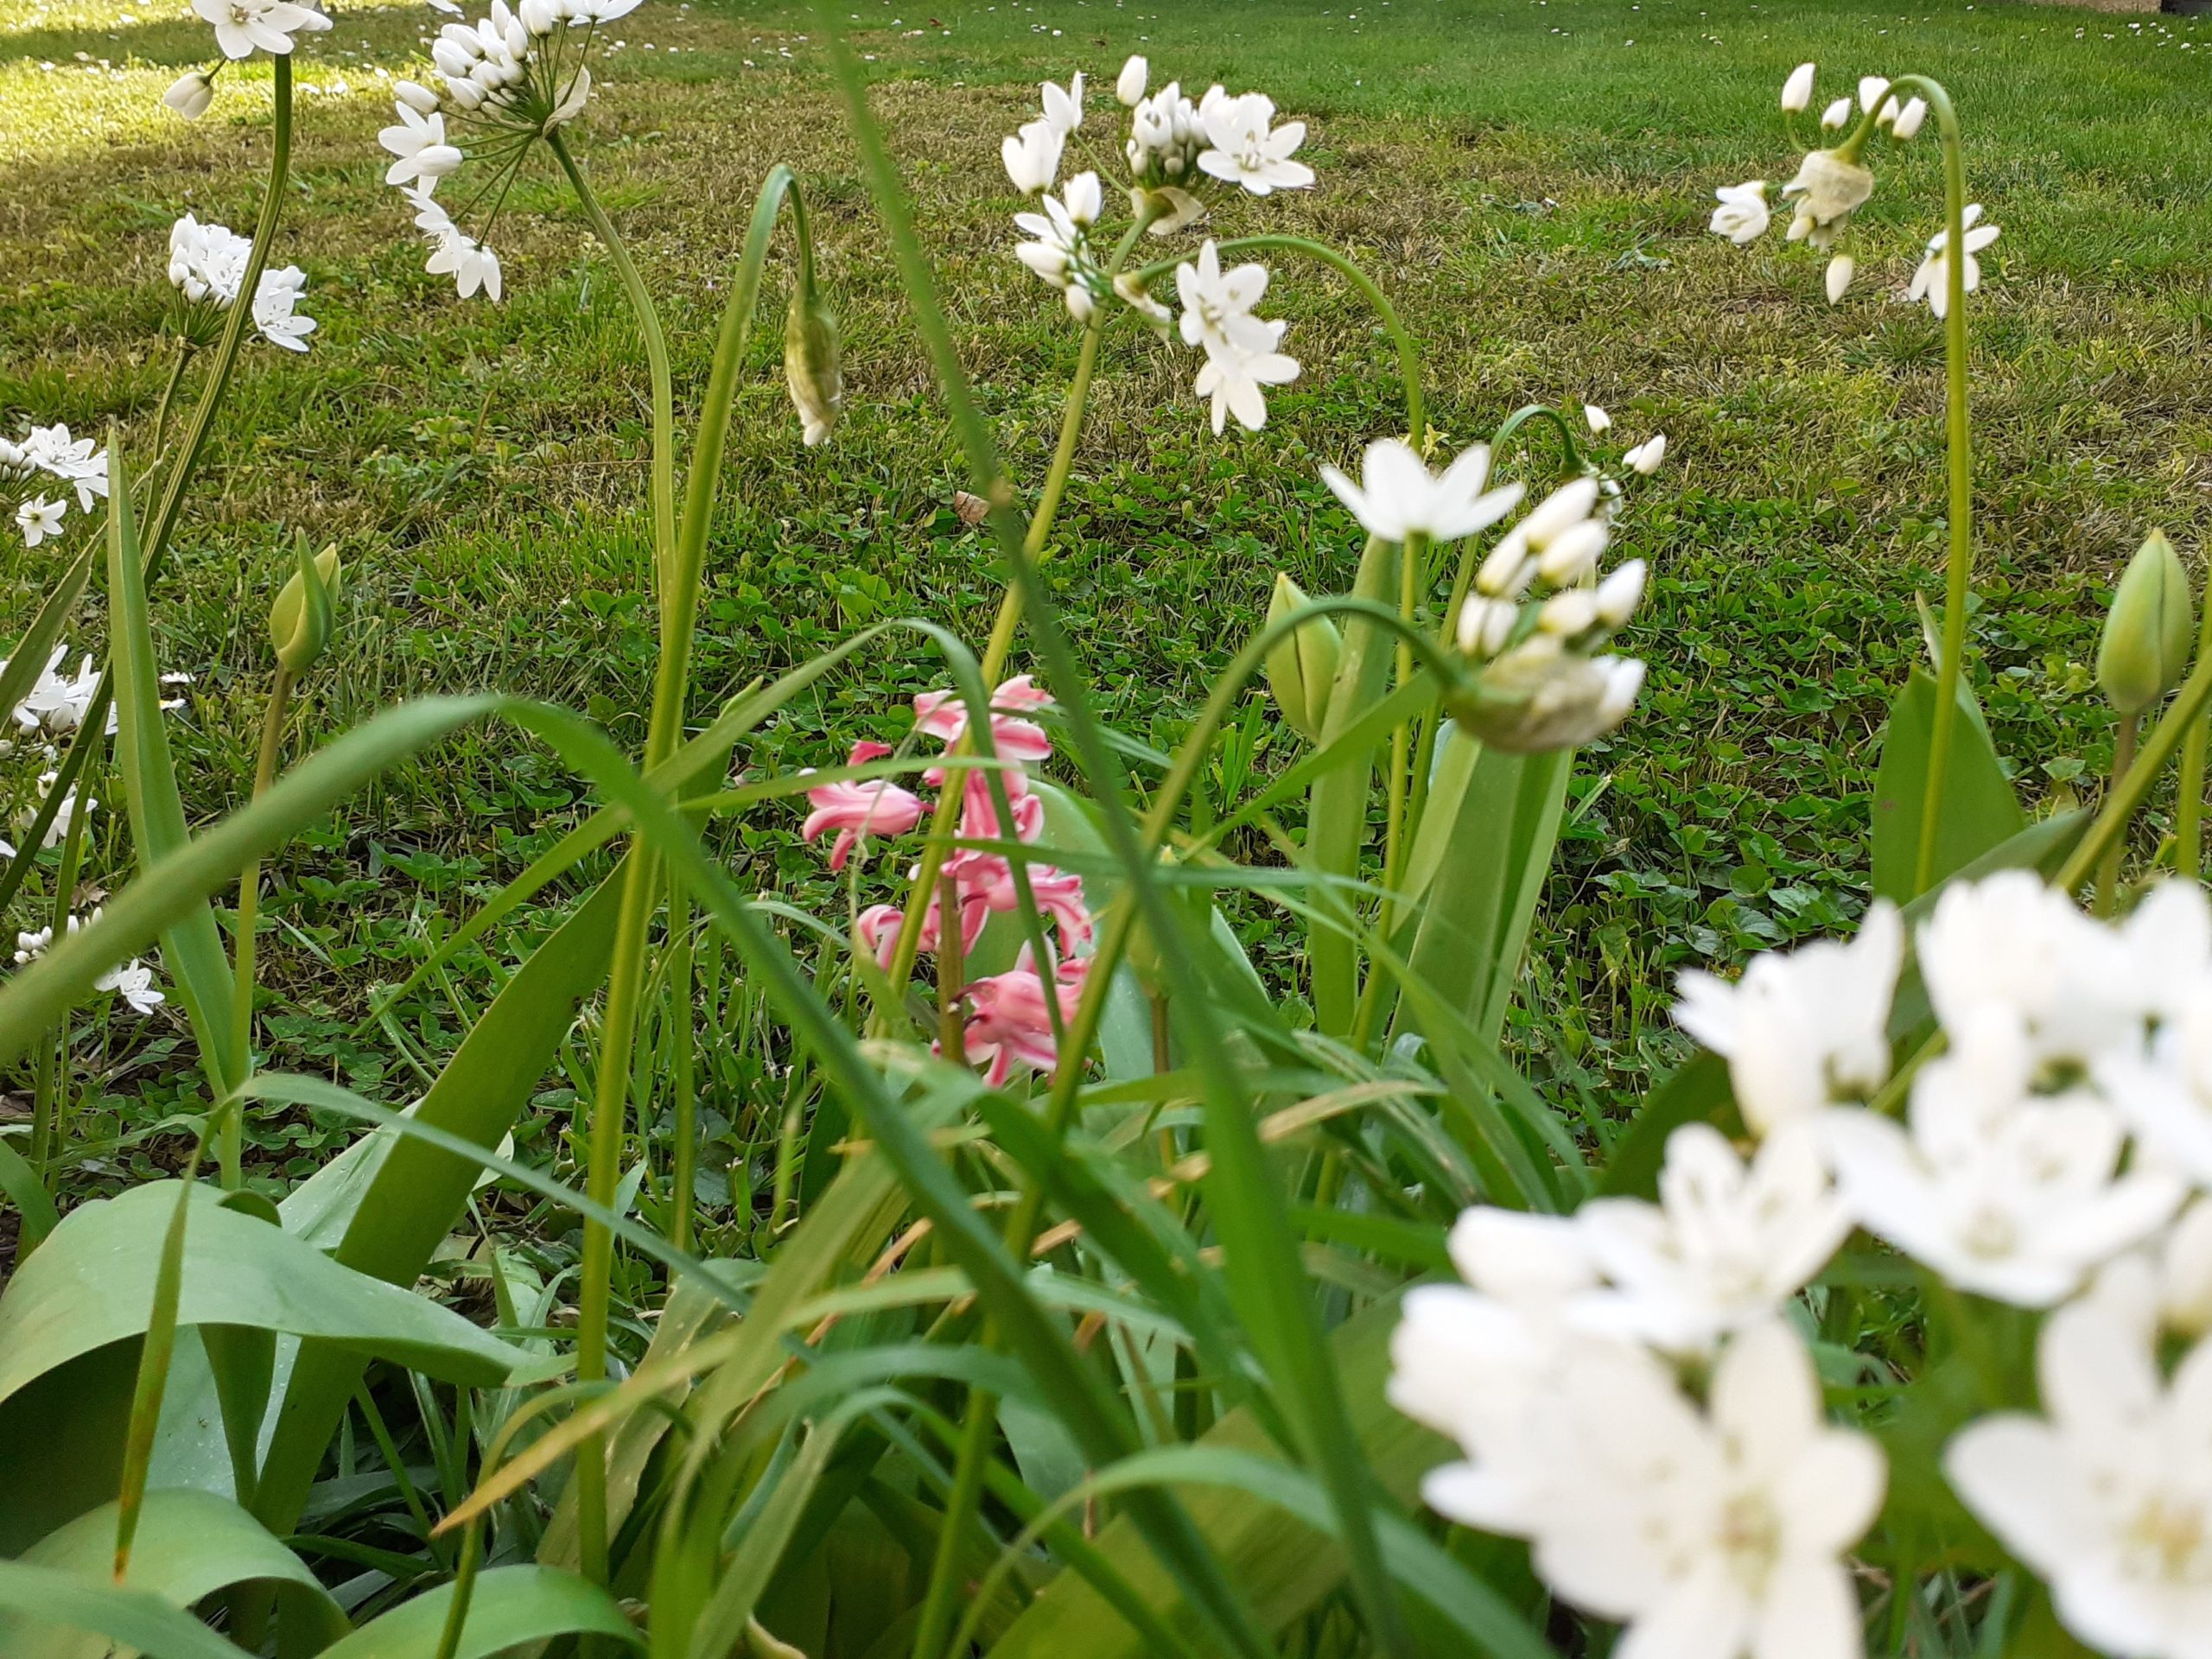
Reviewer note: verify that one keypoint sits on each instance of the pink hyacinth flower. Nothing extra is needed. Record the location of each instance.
(979, 812)
(1012, 1021)
(876, 930)
(943, 715)
(986, 885)
(877, 807)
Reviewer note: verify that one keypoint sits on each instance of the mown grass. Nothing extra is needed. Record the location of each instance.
(1530, 179)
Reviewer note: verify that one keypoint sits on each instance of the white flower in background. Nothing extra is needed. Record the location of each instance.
(1063, 105)
(471, 265)
(1841, 269)
(1397, 496)
(1596, 418)
(1713, 1534)
(1804, 1029)
(1128, 86)
(1059, 252)
(1032, 156)
(1932, 280)
(1827, 190)
(1909, 119)
(58, 702)
(1873, 91)
(32, 945)
(2016, 1196)
(2107, 1496)
(273, 312)
(190, 95)
(2078, 991)
(207, 265)
(1797, 91)
(1233, 380)
(50, 449)
(1836, 114)
(135, 984)
(419, 142)
(1644, 459)
(244, 27)
(1725, 1247)
(1742, 216)
(1245, 152)
(39, 519)
(71, 803)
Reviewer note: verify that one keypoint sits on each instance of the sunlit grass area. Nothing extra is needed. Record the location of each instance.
(1530, 179)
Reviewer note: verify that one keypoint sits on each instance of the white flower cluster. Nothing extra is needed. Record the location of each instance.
(1832, 184)
(133, 982)
(514, 75)
(1175, 148)
(2044, 1159)
(79, 463)
(208, 266)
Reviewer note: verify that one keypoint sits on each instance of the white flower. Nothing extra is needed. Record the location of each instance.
(1646, 456)
(2183, 1286)
(1032, 156)
(1932, 282)
(1618, 594)
(2012, 1195)
(1841, 269)
(1802, 1030)
(1797, 91)
(243, 26)
(1598, 420)
(38, 519)
(1397, 496)
(1245, 152)
(471, 265)
(2166, 1096)
(1218, 304)
(1059, 253)
(273, 310)
(1872, 89)
(1486, 624)
(572, 102)
(1909, 119)
(190, 95)
(1559, 530)
(419, 142)
(1083, 200)
(2107, 1495)
(1064, 105)
(136, 984)
(58, 702)
(32, 945)
(1742, 216)
(1827, 189)
(1713, 1534)
(2077, 990)
(1836, 114)
(1726, 1246)
(1232, 378)
(71, 803)
(1128, 86)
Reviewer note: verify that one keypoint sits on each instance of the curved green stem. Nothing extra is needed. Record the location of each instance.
(242, 981)
(1958, 439)
(2184, 715)
(2123, 760)
(664, 393)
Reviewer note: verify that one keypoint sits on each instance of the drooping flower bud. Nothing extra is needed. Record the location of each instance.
(2145, 648)
(300, 622)
(1540, 695)
(1128, 86)
(813, 363)
(1797, 91)
(190, 95)
(1302, 668)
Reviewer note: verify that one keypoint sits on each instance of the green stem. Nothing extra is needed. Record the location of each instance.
(2184, 712)
(664, 393)
(683, 1061)
(2123, 758)
(265, 773)
(1958, 437)
(46, 1103)
(169, 396)
(2189, 811)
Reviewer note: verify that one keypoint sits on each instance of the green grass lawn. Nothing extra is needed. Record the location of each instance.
(1531, 178)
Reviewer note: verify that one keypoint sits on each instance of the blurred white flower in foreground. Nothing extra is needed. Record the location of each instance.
(1932, 280)
(2108, 1494)
(1398, 497)
(1805, 1029)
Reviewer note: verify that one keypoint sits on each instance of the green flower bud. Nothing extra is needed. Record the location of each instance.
(2145, 648)
(300, 621)
(1302, 667)
(1540, 696)
(813, 364)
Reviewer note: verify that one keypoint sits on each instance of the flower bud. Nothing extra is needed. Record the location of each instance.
(1872, 89)
(1486, 624)
(1836, 114)
(1909, 119)
(300, 622)
(1797, 91)
(1128, 86)
(1619, 595)
(1841, 269)
(1302, 668)
(2146, 645)
(813, 363)
(190, 95)
(1571, 555)
(1540, 697)
(416, 96)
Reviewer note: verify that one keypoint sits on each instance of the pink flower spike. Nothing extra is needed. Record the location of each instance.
(1059, 896)
(943, 715)
(1011, 1024)
(979, 815)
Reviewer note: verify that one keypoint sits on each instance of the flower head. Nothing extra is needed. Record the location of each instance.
(244, 27)
(1128, 86)
(1742, 216)
(1244, 151)
(853, 809)
(1932, 280)
(190, 94)
(1398, 497)
(135, 983)
(39, 519)
(1829, 187)
(1012, 1019)
(1032, 156)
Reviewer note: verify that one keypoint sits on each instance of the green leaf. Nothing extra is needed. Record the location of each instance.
(1979, 811)
(1698, 1092)
(192, 947)
(189, 1545)
(135, 1618)
(508, 1607)
(28, 1194)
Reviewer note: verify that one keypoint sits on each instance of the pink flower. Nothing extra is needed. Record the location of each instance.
(1012, 1022)
(877, 806)
(943, 715)
(876, 930)
(979, 813)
